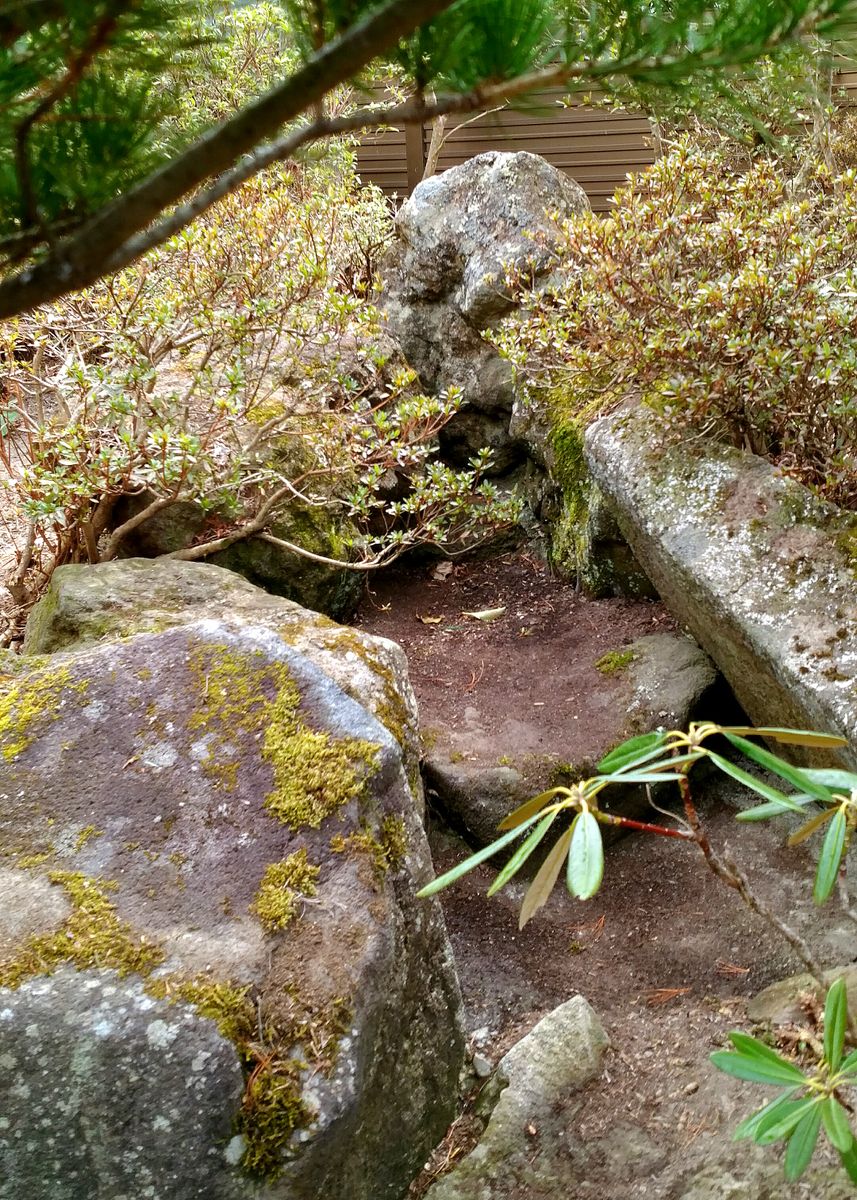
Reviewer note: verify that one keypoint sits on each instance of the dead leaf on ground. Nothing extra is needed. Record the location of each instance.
(728, 968)
(429, 620)
(442, 571)
(486, 614)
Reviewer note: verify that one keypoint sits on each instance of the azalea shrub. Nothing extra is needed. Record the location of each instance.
(724, 298)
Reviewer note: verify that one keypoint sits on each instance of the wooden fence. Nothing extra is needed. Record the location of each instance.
(595, 146)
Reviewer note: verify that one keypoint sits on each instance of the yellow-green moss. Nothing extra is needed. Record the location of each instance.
(91, 936)
(274, 1048)
(86, 835)
(244, 695)
(283, 884)
(386, 851)
(27, 703)
(613, 661)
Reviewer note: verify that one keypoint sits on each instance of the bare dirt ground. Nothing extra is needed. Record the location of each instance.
(666, 954)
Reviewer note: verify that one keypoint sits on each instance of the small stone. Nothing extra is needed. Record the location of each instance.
(482, 1066)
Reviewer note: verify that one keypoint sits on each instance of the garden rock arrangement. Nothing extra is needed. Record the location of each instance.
(759, 571)
(444, 283)
(480, 770)
(213, 969)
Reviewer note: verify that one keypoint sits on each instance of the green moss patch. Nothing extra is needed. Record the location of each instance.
(91, 936)
(26, 705)
(245, 696)
(614, 660)
(283, 885)
(386, 851)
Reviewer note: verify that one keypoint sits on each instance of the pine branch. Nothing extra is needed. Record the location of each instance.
(80, 259)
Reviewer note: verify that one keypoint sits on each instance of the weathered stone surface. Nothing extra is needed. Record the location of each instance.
(444, 278)
(664, 679)
(780, 1002)
(331, 590)
(541, 1073)
(109, 1092)
(119, 599)
(150, 784)
(758, 570)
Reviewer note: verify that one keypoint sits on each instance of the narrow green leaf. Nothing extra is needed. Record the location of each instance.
(836, 1125)
(850, 1063)
(474, 860)
(745, 1043)
(778, 1108)
(809, 827)
(791, 737)
(790, 1118)
(529, 808)
(522, 853)
(543, 884)
(742, 1067)
(636, 749)
(802, 1144)
(830, 858)
(843, 781)
(793, 775)
(835, 1023)
(763, 812)
(585, 857)
(640, 777)
(750, 781)
(849, 1160)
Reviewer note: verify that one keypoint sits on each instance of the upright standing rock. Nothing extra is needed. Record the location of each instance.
(444, 281)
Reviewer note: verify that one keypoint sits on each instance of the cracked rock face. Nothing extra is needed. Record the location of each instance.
(166, 1014)
(760, 571)
(444, 281)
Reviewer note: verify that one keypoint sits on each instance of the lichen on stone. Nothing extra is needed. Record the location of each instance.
(25, 705)
(283, 885)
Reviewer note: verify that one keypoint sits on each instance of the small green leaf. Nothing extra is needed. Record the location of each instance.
(763, 812)
(849, 1160)
(793, 775)
(792, 737)
(756, 1071)
(843, 781)
(835, 1023)
(787, 1122)
(522, 853)
(750, 781)
(585, 857)
(802, 1144)
(543, 884)
(850, 1063)
(836, 1124)
(529, 808)
(474, 860)
(636, 749)
(830, 858)
(778, 1108)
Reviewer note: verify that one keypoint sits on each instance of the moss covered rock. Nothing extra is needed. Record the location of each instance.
(232, 976)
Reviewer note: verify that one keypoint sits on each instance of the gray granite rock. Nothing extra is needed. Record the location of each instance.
(152, 786)
(759, 571)
(444, 279)
(539, 1077)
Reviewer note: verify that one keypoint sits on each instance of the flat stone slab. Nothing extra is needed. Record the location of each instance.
(762, 573)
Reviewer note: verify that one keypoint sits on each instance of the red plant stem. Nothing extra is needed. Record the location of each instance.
(645, 827)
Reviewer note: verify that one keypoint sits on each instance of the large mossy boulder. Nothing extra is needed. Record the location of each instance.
(762, 573)
(444, 283)
(215, 979)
